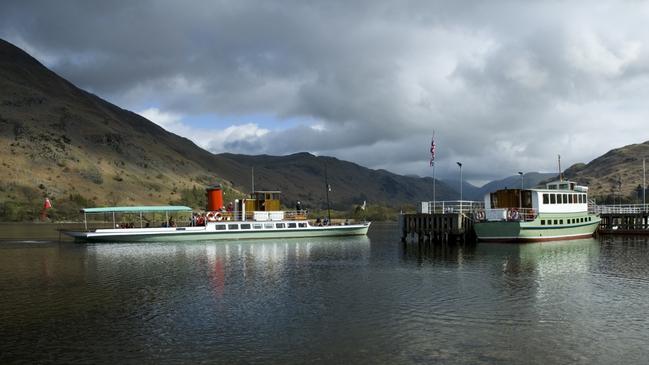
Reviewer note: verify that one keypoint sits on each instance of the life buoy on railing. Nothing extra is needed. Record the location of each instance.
(210, 216)
(480, 215)
(218, 216)
(512, 214)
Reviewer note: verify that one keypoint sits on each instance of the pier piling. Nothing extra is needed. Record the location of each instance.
(437, 227)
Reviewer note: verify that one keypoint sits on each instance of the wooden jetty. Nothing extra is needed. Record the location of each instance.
(623, 219)
(446, 222)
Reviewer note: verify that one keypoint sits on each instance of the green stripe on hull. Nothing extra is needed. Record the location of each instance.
(534, 231)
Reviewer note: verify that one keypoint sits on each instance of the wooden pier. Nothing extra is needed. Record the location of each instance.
(437, 227)
(441, 221)
(624, 223)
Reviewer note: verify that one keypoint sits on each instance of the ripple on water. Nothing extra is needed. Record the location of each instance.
(329, 300)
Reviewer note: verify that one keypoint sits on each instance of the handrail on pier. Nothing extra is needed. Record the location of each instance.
(451, 206)
(621, 209)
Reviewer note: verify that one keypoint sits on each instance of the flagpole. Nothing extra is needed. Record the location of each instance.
(434, 197)
(432, 164)
(327, 191)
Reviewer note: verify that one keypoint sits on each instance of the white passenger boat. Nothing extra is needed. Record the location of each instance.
(558, 212)
(245, 221)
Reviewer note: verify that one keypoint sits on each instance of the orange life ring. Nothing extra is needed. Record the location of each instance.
(218, 216)
(211, 216)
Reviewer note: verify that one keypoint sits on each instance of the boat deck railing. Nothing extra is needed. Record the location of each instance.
(179, 220)
(505, 214)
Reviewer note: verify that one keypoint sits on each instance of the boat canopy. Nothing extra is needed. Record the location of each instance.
(138, 209)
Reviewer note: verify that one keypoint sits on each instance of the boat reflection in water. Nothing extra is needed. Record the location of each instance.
(557, 256)
(198, 263)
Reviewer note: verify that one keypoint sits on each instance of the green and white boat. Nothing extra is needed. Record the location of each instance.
(558, 212)
(253, 218)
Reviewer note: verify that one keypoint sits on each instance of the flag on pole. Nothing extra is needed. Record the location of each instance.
(47, 204)
(432, 151)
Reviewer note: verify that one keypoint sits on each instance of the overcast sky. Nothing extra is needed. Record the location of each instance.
(505, 85)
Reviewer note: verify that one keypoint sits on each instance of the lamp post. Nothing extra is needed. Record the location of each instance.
(520, 195)
(644, 185)
(460, 164)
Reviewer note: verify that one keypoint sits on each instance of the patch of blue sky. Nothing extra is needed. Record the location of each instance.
(266, 121)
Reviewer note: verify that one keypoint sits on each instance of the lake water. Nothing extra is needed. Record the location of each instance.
(342, 300)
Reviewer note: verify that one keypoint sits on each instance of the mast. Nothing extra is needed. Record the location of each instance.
(560, 174)
(253, 178)
(327, 190)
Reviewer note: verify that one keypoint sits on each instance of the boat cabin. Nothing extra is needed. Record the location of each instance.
(263, 201)
(557, 197)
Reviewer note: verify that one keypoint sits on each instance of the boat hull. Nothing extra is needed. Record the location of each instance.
(206, 233)
(533, 231)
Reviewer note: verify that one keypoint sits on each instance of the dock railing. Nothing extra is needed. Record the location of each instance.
(451, 206)
(621, 209)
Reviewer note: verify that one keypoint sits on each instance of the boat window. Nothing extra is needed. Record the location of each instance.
(494, 200)
(546, 199)
(570, 198)
(245, 226)
(301, 225)
(553, 199)
(256, 226)
(542, 222)
(292, 225)
(589, 219)
(233, 226)
(575, 198)
(268, 225)
(279, 225)
(565, 198)
(219, 227)
(556, 222)
(560, 221)
(559, 199)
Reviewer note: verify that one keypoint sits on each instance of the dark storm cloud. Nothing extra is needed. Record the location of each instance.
(506, 85)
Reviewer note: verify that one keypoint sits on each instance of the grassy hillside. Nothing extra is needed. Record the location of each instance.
(616, 175)
(64, 143)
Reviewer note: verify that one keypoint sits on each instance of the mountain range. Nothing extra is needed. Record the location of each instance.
(59, 141)
(70, 145)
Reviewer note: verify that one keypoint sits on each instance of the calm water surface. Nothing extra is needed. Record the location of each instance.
(342, 300)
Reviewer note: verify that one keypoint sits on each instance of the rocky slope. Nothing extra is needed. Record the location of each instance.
(60, 141)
